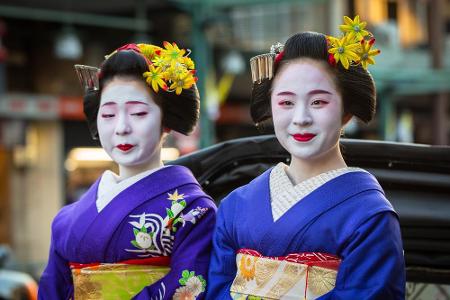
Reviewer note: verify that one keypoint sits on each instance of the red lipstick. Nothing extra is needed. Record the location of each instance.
(125, 147)
(303, 137)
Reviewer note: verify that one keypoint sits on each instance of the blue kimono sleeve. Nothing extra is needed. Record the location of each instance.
(190, 258)
(56, 280)
(222, 270)
(373, 265)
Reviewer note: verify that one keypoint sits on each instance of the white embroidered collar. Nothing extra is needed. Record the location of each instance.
(284, 194)
(110, 186)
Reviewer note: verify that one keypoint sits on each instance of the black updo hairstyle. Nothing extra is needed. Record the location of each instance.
(179, 112)
(355, 84)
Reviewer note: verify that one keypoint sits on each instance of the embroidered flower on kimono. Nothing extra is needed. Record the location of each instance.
(192, 216)
(183, 293)
(143, 240)
(175, 208)
(247, 266)
(194, 284)
(175, 196)
(151, 237)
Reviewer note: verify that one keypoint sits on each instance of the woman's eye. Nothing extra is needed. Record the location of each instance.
(318, 102)
(106, 116)
(285, 103)
(140, 114)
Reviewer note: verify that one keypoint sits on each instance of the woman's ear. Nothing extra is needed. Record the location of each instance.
(346, 118)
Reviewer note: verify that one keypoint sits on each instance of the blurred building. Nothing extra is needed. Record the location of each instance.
(41, 119)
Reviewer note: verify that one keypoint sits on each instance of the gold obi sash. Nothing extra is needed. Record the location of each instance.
(121, 280)
(306, 275)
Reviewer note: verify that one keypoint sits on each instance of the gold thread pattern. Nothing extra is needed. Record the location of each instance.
(321, 280)
(114, 281)
(265, 270)
(292, 274)
(295, 275)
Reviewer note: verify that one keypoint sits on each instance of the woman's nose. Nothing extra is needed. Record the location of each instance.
(302, 116)
(123, 126)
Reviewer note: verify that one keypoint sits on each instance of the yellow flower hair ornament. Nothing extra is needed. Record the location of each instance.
(354, 46)
(169, 68)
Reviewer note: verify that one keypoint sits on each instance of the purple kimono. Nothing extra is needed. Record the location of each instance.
(165, 214)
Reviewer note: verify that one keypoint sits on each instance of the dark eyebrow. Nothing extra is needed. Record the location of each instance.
(108, 103)
(128, 102)
(136, 102)
(286, 93)
(315, 92)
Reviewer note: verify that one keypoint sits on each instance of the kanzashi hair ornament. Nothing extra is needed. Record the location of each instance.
(354, 46)
(88, 77)
(262, 66)
(169, 68)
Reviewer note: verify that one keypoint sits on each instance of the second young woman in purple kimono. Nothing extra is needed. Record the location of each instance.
(148, 214)
(304, 217)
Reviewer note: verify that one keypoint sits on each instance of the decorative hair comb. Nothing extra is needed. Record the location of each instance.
(88, 77)
(262, 66)
(354, 47)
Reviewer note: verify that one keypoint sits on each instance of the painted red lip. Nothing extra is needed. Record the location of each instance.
(125, 147)
(303, 137)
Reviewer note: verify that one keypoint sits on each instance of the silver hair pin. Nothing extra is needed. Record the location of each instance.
(88, 77)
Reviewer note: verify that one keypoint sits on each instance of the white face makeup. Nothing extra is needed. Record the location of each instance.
(306, 109)
(129, 123)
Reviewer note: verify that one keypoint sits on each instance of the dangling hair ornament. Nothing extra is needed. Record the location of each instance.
(262, 65)
(354, 47)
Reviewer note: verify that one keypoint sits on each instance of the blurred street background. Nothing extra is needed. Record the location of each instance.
(47, 158)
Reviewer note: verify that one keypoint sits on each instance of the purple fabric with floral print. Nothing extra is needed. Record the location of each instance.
(163, 214)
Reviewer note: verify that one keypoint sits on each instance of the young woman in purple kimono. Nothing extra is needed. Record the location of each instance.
(144, 233)
(316, 228)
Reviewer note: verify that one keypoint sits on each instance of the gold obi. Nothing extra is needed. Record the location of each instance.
(307, 275)
(114, 281)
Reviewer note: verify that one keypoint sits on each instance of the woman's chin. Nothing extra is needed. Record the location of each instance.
(135, 164)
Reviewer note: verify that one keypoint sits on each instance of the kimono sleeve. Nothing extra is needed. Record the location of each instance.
(190, 257)
(56, 280)
(222, 270)
(372, 262)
